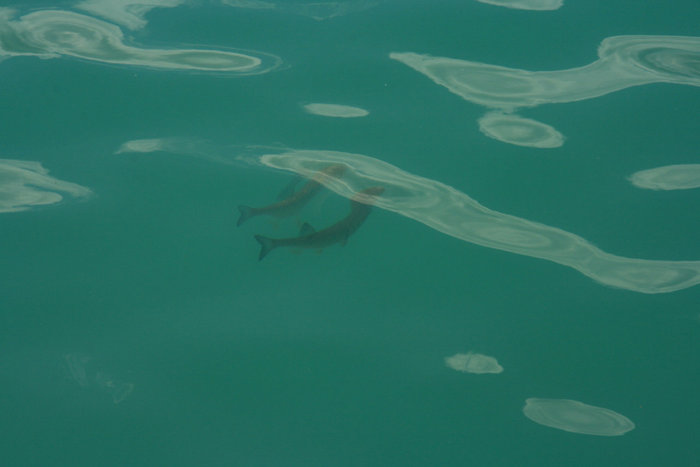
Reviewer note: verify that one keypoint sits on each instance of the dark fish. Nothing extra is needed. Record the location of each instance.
(336, 233)
(296, 200)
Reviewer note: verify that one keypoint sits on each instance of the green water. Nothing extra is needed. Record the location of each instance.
(138, 328)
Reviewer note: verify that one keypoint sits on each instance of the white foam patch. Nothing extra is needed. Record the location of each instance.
(449, 211)
(520, 131)
(624, 61)
(454, 213)
(56, 33)
(670, 177)
(539, 5)
(127, 13)
(199, 149)
(577, 417)
(144, 145)
(25, 184)
(335, 110)
(473, 363)
(250, 4)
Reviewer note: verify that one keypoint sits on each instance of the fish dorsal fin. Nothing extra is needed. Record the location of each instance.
(306, 229)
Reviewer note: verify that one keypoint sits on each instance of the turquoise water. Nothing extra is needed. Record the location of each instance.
(139, 328)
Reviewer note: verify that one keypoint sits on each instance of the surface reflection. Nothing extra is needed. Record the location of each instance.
(57, 33)
(84, 371)
(577, 417)
(25, 184)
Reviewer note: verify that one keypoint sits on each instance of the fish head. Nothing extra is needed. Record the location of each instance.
(367, 195)
(335, 170)
(331, 172)
(373, 191)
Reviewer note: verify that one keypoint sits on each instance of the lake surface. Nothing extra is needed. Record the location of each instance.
(492, 222)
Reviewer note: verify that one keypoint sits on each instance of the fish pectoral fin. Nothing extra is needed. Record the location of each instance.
(306, 229)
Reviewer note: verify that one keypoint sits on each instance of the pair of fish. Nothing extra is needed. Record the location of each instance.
(308, 236)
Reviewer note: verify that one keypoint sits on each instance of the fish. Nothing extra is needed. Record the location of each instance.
(360, 207)
(295, 200)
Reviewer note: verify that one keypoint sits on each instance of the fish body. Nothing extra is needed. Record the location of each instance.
(336, 233)
(294, 202)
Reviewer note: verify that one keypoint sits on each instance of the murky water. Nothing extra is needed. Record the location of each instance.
(363, 232)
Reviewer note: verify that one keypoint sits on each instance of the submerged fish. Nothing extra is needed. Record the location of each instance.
(336, 233)
(296, 200)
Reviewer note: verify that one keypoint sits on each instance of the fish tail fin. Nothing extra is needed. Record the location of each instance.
(266, 245)
(246, 213)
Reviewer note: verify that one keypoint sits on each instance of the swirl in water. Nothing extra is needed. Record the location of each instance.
(53, 33)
